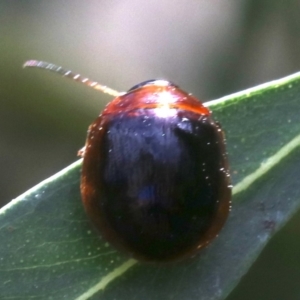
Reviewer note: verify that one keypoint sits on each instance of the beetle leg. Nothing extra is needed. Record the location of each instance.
(81, 152)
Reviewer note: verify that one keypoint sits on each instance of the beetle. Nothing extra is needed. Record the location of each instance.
(155, 177)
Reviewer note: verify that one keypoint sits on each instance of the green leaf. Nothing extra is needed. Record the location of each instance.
(50, 251)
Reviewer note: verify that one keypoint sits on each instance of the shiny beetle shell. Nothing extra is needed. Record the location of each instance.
(155, 179)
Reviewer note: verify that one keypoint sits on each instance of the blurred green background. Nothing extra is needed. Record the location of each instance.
(210, 48)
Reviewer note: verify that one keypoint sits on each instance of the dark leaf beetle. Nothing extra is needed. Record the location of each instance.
(155, 179)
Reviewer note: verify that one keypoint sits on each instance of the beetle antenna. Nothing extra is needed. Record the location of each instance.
(66, 73)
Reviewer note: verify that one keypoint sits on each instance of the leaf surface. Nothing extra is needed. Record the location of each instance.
(49, 249)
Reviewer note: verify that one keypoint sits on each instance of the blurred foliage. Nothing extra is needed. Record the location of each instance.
(210, 49)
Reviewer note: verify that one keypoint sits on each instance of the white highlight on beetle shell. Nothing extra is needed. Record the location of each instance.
(164, 109)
